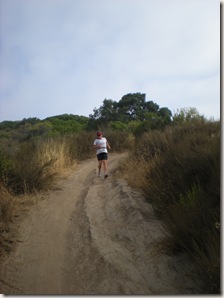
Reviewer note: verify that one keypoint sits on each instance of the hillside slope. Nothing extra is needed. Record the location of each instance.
(94, 236)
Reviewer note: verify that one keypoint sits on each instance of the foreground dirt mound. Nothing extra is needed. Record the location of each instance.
(94, 236)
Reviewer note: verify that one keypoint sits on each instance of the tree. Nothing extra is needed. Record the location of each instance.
(166, 115)
(150, 107)
(109, 110)
(131, 107)
(106, 112)
(119, 126)
(187, 115)
(165, 112)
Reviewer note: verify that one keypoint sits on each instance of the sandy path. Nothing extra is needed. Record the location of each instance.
(93, 236)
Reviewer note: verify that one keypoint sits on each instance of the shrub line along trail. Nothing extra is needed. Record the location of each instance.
(93, 236)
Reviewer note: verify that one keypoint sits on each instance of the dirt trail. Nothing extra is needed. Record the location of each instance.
(93, 236)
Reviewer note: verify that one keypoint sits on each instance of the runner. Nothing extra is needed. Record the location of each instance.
(101, 145)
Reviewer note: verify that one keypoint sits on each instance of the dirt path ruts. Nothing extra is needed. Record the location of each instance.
(93, 236)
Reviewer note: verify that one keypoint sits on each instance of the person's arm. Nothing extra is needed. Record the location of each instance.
(108, 145)
(95, 146)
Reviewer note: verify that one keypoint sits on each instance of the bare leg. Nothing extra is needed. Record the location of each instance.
(105, 167)
(99, 166)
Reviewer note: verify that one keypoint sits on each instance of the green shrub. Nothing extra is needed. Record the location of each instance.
(81, 145)
(7, 167)
(32, 165)
(192, 227)
(120, 140)
(6, 215)
(32, 171)
(177, 161)
(181, 169)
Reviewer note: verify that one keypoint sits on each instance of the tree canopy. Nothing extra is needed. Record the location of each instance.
(131, 107)
(131, 113)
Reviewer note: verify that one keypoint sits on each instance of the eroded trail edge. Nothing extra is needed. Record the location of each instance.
(94, 236)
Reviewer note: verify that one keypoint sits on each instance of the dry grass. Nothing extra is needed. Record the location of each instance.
(33, 171)
(13, 208)
(6, 207)
(134, 172)
(33, 165)
(120, 141)
(6, 217)
(53, 149)
(178, 171)
(30, 167)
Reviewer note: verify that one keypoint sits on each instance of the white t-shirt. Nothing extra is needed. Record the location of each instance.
(103, 143)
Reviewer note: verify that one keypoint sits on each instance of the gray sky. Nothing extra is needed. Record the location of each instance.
(67, 56)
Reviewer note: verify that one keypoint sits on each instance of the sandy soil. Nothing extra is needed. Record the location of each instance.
(94, 236)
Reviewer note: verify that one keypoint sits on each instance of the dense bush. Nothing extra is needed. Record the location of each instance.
(178, 171)
(120, 140)
(6, 216)
(27, 166)
(26, 170)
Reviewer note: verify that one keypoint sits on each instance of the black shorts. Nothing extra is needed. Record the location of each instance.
(102, 156)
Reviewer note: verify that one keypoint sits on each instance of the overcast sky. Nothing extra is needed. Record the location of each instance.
(67, 56)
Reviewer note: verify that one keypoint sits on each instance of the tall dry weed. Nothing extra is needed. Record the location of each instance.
(36, 162)
(31, 172)
(80, 145)
(120, 141)
(134, 172)
(6, 206)
(55, 149)
(6, 216)
(177, 160)
(181, 168)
